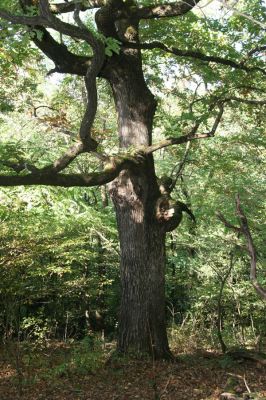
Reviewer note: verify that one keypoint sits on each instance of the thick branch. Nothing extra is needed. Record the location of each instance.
(51, 178)
(20, 166)
(94, 67)
(173, 141)
(88, 144)
(226, 223)
(57, 166)
(166, 10)
(61, 8)
(63, 161)
(91, 86)
(44, 106)
(154, 11)
(65, 61)
(257, 49)
(248, 88)
(50, 21)
(247, 101)
(195, 55)
(64, 180)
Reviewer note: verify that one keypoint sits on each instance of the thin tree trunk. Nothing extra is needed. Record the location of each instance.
(220, 306)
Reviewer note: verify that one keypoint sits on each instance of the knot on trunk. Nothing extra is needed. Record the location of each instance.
(169, 212)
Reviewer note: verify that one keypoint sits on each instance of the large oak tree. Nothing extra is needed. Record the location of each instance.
(144, 208)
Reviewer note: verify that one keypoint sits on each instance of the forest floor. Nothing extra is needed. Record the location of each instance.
(53, 374)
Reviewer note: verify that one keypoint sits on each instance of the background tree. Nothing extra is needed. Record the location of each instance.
(144, 208)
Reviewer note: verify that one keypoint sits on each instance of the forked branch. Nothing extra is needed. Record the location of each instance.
(153, 11)
(49, 177)
(46, 18)
(192, 135)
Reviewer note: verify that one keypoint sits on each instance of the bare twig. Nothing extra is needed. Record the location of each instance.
(244, 15)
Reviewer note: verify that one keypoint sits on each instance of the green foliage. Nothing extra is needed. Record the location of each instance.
(112, 46)
(85, 358)
(59, 247)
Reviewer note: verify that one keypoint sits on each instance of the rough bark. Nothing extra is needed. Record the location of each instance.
(142, 325)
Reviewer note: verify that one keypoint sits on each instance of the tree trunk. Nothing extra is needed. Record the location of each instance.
(142, 325)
